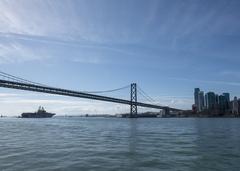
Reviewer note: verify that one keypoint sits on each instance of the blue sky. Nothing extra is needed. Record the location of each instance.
(167, 47)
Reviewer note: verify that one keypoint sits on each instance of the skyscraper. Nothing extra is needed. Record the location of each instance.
(206, 101)
(217, 98)
(222, 103)
(196, 98)
(200, 101)
(211, 100)
(227, 97)
(235, 106)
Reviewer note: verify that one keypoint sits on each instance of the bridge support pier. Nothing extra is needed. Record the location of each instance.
(133, 105)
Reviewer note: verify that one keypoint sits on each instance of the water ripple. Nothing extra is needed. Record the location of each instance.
(119, 144)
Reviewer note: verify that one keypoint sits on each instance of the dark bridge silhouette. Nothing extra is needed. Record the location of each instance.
(14, 82)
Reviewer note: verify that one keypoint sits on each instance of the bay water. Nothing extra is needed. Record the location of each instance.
(110, 144)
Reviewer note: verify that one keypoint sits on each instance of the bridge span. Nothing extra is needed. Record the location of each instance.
(31, 86)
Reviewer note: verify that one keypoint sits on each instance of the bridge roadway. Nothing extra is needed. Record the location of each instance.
(65, 92)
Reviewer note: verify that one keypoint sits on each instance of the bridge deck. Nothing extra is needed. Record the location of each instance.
(65, 92)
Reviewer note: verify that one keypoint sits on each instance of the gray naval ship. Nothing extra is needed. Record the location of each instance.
(41, 113)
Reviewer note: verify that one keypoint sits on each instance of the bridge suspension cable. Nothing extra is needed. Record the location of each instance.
(15, 82)
(108, 91)
(15, 78)
(22, 80)
(146, 96)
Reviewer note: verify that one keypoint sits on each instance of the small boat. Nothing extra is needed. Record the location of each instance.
(41, 113)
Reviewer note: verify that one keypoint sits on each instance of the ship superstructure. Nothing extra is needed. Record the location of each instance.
(41, 113)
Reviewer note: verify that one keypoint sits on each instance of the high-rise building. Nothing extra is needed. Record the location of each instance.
(216, 98)
(222, 103)
(211, 100)
(200, 101)
(235, 106)
(227, 96)
(206, 101)
(196, 98)
(238, 106)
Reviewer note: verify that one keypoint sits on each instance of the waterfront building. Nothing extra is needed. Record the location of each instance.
(222, 103)
(206, 102)
(216, 98)
(196, 97)
(200, 101)
(238, 106)
(235, 106)
(227, 96)
(194, 108)
(211, 100)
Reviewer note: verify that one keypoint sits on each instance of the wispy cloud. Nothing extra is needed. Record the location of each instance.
(72, 23)
(230, 73)
(22, 47)
(15, 52)
(181, 102)
(207, 81)
(90, 60)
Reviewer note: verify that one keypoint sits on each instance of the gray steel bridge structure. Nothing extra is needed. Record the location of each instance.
(133, 103)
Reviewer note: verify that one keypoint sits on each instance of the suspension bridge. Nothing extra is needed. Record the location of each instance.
(14, 82)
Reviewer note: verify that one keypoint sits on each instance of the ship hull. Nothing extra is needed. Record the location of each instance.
(37, 115)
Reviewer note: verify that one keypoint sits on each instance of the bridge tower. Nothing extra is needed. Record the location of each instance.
(133, 105)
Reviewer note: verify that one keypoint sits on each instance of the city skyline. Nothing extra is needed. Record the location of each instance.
(211, 103)
(168, 48)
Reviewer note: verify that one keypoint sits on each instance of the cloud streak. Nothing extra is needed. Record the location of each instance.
(207, 81)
